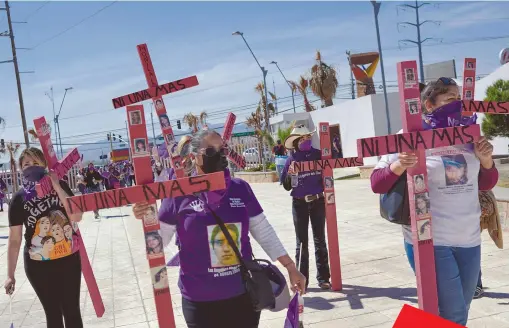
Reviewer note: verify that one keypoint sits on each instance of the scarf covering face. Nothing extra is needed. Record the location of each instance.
(32, 175)
(447, 116)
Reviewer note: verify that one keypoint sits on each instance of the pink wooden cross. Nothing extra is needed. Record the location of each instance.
(169, 137)
(236, 158)
(45, 186)
(327, 164)
(417, 141)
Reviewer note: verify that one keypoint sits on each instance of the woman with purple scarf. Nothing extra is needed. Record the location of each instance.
(211, 283)
(455, 175)
(308, 204)
(52, 265)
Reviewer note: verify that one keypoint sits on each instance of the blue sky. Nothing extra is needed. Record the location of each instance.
(98, 58)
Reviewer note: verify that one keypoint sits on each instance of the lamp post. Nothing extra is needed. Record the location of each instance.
(57, 123)
(376, 7)
(291, 88)
(264, 72)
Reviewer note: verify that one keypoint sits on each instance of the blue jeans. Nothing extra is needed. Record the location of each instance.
(457, 271)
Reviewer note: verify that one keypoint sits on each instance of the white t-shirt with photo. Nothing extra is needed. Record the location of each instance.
(453, 190)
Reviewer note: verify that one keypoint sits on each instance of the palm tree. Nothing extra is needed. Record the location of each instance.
(203, 119)
(323, 81)
(266, 108)
(12, 150)
(282, 134)
(302, 87)
(191, 121)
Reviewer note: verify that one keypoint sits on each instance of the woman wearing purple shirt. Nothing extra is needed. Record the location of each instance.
(455, 175)
(213, 293)
(308, 204)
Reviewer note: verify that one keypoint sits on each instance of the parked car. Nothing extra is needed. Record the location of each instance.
(252, 156)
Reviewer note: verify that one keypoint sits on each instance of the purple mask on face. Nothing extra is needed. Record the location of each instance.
(447, 116)
(305, 145)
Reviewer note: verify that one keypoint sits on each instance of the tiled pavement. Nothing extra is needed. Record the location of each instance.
(377, 278)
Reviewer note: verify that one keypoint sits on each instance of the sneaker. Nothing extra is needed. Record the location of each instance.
(479, 291)
(324, 285)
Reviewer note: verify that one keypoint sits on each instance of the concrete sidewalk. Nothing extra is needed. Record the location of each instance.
(376, 276)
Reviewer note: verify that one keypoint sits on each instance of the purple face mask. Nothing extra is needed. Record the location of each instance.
(305, 145)
(447, 116)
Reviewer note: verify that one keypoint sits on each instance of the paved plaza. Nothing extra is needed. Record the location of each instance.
(377, 279)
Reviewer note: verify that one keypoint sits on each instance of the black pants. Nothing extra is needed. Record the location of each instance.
(235, 312)
(57, 284)
(302, 213)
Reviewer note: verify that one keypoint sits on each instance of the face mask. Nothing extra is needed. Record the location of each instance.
(214, 163)
(34, 173)
(305, 145)
(447, 116)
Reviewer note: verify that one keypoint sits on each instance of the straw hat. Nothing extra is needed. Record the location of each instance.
(297, 132)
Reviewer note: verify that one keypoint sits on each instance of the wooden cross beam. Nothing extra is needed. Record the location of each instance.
(484, 107)
(61, 167)
(327, 164)
(164, 121)
(44, 136)
(236, 158)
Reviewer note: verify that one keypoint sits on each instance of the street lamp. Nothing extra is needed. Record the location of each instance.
(376, 7)
(58, 124)
(291, 88)
(264, 72)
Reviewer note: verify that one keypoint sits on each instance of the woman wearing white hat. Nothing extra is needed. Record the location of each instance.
(308, 203)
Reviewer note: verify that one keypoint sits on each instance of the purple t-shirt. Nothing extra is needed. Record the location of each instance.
(209, 269)
(310, 183)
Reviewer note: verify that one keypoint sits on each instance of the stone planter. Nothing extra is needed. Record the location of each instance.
(257, 177)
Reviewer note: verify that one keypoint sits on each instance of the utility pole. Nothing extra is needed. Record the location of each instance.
(128, 142)
(376, 8)
(55, 125)
(152, 119)
(351, 75)
(16, 70)
(275, 94)
(418, 25)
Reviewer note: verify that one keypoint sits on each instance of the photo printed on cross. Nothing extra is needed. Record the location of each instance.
(44, 136)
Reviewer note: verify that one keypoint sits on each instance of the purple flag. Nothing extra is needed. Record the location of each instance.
(174, 261)
(292, 316)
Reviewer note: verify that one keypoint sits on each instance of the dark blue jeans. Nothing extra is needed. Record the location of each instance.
(457, 270)
(303, 213)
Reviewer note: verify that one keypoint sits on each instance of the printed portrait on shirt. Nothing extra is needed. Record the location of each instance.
(424, 229)
(159, 277)
(154, 244)
(422, 204)
(455, 169)
(221, 252)
(135, 117)
(419, 185)
(53, 237)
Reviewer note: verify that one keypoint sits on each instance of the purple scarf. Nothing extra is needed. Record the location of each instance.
(292, 315)
(447, 116)
(29, 190)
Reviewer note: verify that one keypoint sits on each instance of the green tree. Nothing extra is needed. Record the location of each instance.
(495, 125)
(282, 134)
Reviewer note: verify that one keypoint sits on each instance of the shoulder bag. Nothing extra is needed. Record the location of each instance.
(394, 205)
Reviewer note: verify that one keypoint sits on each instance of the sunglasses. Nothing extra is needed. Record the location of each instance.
(212, 151)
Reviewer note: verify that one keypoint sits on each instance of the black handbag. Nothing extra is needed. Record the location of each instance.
(255, 277)
(394, 205)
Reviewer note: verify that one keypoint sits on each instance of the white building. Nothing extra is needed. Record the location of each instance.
(365, 117)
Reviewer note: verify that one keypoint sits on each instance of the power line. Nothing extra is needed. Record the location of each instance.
(73, 26)
(37, 10)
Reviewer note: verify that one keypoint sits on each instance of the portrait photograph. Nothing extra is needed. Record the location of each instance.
(170, 139)
(325, 152)
(159, 277)
(468, 95)
(159, 104)
(469, 81)
(324, 128)
(470, 65)
(329, 182)
(329, 198)
(154, 244)
(413, 106)
(164, 120)
(135, 117)
(221, 252)
(419, 185)
(409, 76)
(140, 146)
(424, 229)
(422, 204)
(456, 170)
(150, 219)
